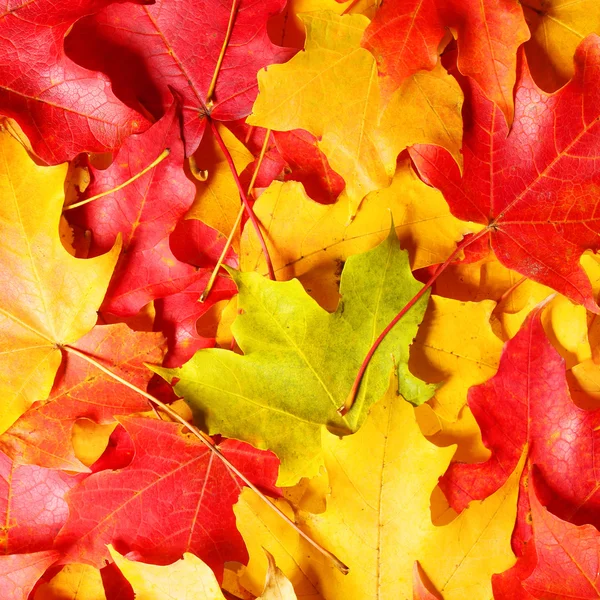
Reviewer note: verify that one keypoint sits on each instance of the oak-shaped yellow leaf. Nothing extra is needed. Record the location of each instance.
(557, 27)
(378, 520)
(311, 241)
(73, 582)
(455, 345)
(217, 200)
(48, 298)
(187, 579)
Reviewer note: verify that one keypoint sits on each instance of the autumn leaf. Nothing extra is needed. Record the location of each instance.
(526, 411)
(312, 242)
(149, 56)
(282, 334)
(378, 518)
(530, 186)
(141, 508)
(557, 27)
(48, 298)
(42, 436)
(63, 108)
(73, 582)
(144, 213)
(363, 151)
(567, 556)
(20, 572)
(404, 37)
(187, 579)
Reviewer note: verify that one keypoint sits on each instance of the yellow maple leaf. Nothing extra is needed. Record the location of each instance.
(48, 298)
(332, 90)
(311, 241)
(557, 27)
(378, 520)
(187, 579)
(73, 582)
(217, 200)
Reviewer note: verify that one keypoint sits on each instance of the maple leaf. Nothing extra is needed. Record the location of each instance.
(20, 572)
(378, 519)
(149, 55)
(189, 578)
(312, 242)
(32, 506)
(144, 213)
(525, 410)
(535, 185)
(217, 200)
(48, 298)
(404, 37)
(557, 27)
(43, 434)
(298, 95)
(73, 582)
(63, 108)
(141, 508)
(299, 360)
(567, 556)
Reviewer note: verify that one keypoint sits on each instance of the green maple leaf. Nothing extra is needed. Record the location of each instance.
(300, 361)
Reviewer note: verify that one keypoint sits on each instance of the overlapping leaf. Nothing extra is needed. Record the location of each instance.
(299, 361)
(176, 44)
(537, 185)
(47, 297)
(174, 497)
(63, 108)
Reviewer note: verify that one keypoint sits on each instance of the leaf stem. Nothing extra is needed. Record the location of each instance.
(151, 166)
(363, 367)
(244, 197)
(213, 275)
(213, 83)
(210, 444)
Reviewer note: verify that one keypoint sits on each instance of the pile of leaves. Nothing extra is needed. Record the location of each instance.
(298, 299)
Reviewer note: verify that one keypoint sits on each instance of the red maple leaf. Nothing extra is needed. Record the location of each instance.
(63, 108)
(535, 187)
(404, 38)
(144, 213)
(42, 435)
(526, 407)
(20, 572)
(176, 44)
(176, 496)
(568, 557)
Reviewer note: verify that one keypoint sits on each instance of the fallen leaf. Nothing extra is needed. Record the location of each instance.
(378, 519)
(187, 579)
(62, 108)
(48, 298)
(144, 213)
(20, 572)
(141, 508)
(535, 185)
(312, 242)
(277, 585)
(300, 361)
(42, 435)
(525, 411)
(557, 27)
(404, 37)
(149, 55)
(567, 557)
(73, 582)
